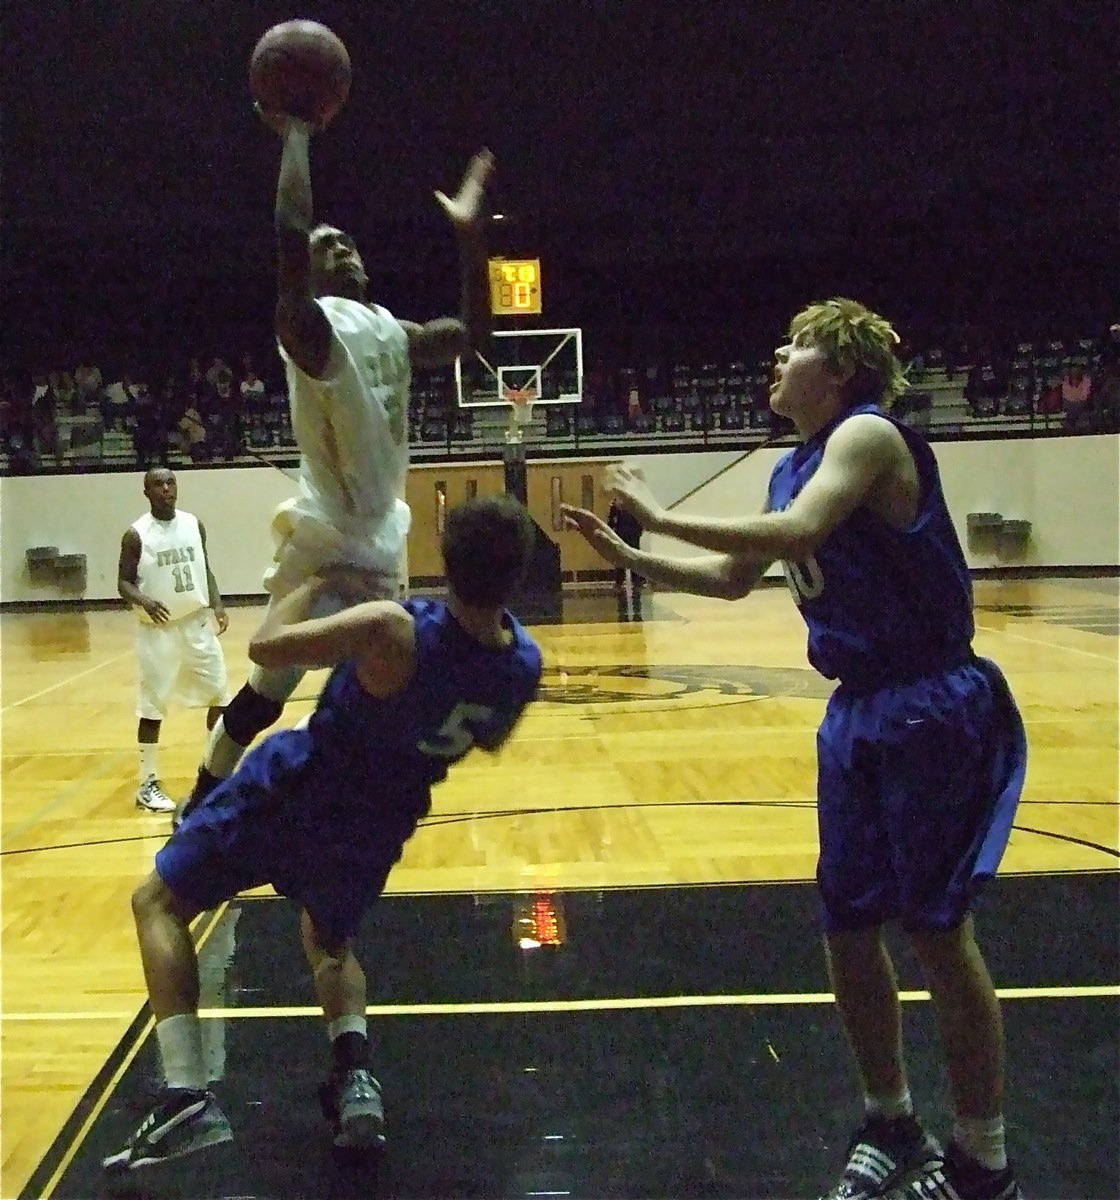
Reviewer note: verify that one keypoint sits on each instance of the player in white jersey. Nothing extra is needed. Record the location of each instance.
(349, 364)
(164, 573)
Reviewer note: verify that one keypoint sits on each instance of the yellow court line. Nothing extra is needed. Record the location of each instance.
(1092, 991)
(118, 1074)
(63, 682)
(1110, 659)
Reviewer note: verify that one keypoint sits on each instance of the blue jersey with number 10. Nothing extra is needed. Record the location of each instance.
(883, 605)
(461, 694)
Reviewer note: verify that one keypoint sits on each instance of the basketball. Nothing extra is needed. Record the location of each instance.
(300, 68)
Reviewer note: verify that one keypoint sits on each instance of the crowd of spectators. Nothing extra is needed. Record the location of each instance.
(200, 413)
(213, 412)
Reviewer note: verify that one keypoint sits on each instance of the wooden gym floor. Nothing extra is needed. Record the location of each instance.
(657, 805)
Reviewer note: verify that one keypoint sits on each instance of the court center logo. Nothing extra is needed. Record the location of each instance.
(690, 684)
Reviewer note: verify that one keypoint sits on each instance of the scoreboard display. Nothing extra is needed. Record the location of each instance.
(515, 287)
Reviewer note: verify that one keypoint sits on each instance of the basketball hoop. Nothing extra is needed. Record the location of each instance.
(521, 402)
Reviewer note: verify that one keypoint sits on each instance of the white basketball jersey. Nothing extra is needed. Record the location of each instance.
(352, 427)
(172, 565)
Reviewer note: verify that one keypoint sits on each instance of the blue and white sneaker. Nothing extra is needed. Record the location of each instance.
(183, 1122)
(351, 1103)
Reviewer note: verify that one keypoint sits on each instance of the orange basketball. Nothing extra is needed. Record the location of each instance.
(300, 68)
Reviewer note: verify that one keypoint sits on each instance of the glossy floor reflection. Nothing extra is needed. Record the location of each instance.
(675, 1042)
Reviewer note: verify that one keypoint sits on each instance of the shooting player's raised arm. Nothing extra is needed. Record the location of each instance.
(301, 325)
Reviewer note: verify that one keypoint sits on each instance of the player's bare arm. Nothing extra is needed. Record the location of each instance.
(438, 343)
(216, 602)
(858, 458)
(724, 576)
(301, 325)
(378, 635)
(128, 576)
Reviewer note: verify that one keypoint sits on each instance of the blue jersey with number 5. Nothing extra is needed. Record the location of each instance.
(461, 694)
(882, 605)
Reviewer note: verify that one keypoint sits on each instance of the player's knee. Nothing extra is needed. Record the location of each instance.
(248, 713)
(942, 951)
(325, 952)
(154, 899)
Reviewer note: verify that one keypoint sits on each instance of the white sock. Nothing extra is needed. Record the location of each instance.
(982, 1140)
(149, 761)
(347, 1023)
(180, 1049)
(223, 753)
(890, 1106)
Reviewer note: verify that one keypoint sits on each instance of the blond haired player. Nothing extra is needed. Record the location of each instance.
(921, 754)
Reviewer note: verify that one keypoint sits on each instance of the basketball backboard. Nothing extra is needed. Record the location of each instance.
(546, 362)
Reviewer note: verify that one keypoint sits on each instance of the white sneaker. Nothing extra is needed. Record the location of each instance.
(152, 797)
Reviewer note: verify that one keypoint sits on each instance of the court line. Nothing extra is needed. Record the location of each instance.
(63, 682)
(481, 1008)
(1022, 637)
(118, 1074)
(105, 768)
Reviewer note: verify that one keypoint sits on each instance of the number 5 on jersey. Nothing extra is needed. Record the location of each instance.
(455, 736)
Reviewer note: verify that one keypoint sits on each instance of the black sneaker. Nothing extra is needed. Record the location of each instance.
(351, 1103)
(182, 1122)
(883, 1154)
(958, 1177)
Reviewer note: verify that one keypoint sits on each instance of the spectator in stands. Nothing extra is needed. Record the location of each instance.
(1107, 357)
(254, 402)
(149, 434)
(984, 388)
(117, 402)
(1107, 382)
(1077, 390)
(87, 380)
(44, 418)
(223, 418)
(191, 434)
(218, 373)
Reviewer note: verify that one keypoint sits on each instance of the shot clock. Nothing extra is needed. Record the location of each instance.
(515, 287)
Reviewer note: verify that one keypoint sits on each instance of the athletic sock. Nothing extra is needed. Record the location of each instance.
(982, 1140)
(149, 761)
(890, 1106)
(180, 1050)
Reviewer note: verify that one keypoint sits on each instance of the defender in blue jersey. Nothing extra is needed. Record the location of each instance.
(922, 752)
(322, 812)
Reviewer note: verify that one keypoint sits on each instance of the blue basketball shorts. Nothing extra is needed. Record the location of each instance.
(315, 835)
(917, 790)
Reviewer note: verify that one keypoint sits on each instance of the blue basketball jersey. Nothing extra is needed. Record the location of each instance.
(462, 694)
(882, 605)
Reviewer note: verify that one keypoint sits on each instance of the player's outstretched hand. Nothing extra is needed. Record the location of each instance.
(597, 533)
(628, 486)
(281, 123)
(465, 209)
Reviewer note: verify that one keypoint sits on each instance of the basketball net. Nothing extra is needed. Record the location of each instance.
(521, 411)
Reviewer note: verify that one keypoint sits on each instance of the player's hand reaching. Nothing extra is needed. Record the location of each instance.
(465, 209)
(597, 533)
(627, 485)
